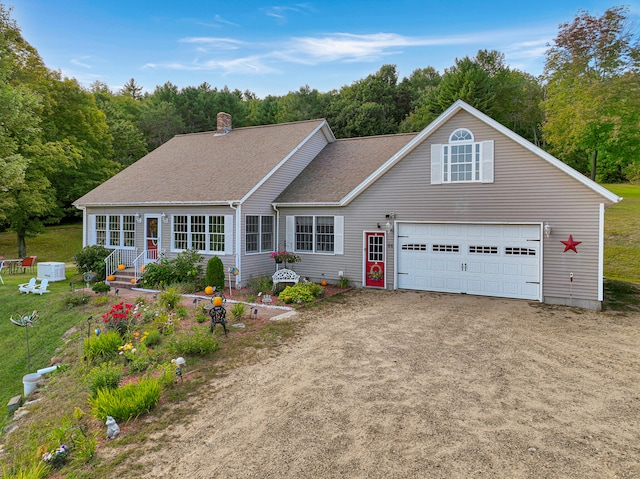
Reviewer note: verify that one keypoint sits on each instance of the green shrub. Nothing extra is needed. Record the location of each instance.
(166, 272)
(101, 287)
(126, 402)
(102, 347)
(343, 282)
(215, 273)
(238, 310)
(107, 375)
(302, 292)
(90, 259)
(153, 337)
(169, 299)
(194, 342)
(262, 284)
(71, 300)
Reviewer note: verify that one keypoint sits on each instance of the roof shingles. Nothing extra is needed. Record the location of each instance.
(203, 167)
(340, 167)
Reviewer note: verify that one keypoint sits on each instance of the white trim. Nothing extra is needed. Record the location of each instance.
(397, 224)
(601, 253)
(321, 126)
(442, 119)
(365, 258)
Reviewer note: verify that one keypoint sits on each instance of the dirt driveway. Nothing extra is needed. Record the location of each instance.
(423, 385)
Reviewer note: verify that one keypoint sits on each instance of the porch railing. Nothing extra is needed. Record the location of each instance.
(143, 259)
(119, 256)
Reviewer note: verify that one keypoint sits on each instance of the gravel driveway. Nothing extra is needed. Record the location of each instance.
(422, 385)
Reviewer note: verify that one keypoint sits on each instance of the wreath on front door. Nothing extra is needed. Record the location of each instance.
(375, 272)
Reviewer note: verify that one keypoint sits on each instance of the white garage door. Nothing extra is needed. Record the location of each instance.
(490, 260)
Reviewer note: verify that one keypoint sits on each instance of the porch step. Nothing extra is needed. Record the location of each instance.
(123, 279)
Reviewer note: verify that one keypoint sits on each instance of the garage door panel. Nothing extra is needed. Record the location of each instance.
(495, 260)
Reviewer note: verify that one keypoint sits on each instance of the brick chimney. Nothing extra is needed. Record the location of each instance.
(224, 123)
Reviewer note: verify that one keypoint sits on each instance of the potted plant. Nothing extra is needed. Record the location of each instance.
(283, 256)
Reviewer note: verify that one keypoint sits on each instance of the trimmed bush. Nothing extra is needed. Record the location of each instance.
(215, 273)
(127, 402)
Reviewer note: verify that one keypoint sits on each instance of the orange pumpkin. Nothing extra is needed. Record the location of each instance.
(217, 301)
(111, 278)
(121, 266)
(133, 281)
(142, 268)
(323, 282)
(208, 290)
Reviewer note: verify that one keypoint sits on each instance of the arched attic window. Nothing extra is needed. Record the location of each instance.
(462, 160)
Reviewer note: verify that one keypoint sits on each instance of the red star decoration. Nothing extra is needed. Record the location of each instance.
(570, 244)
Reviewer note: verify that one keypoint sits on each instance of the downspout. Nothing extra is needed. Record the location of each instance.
(275, 208)
(238, 209)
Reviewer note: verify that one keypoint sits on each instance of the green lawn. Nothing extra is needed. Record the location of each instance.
(622, 235)
(60, 243)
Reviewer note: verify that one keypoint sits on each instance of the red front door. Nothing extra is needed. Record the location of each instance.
(375, 259)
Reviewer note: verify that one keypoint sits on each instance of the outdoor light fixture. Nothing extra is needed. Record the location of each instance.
(547, 230)
(388, 227)
(165, 218)
(138, 218)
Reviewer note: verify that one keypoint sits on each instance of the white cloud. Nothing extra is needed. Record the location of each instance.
(79, 62)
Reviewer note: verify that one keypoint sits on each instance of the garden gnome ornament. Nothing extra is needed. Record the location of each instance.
(112, 428)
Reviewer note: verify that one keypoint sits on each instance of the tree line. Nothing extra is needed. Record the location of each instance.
(59, 140)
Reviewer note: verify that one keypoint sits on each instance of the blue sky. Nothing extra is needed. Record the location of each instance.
(273, 48)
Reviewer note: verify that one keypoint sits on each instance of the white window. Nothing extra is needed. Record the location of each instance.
(204, 233)
(315, 234)
(258, 233)
(115, 231)
(462, 160)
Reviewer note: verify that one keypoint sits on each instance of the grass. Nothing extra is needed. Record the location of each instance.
(60, 331)
(59, 243)
(622, 235)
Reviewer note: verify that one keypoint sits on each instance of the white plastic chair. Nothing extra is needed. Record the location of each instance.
(27, 287)
(41, 288)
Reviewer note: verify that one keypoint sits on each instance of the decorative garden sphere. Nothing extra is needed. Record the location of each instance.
(121, 266)
(208, 290)
(217, 301)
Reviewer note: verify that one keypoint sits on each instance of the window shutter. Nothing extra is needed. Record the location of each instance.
(487, 162)
(290, 234)
(338, 234)
(228, 234)
(91, 234)
(436, 164)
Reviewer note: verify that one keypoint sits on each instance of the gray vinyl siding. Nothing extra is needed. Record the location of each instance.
(259, 203)
(526, 189)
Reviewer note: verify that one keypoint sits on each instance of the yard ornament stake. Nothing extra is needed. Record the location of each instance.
(26, 321)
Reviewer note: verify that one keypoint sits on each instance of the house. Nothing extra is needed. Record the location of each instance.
(464, 206)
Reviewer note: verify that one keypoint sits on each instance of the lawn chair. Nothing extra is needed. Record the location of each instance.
(28, 263)
(41, 288)
(27, 287)
(1, 265)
